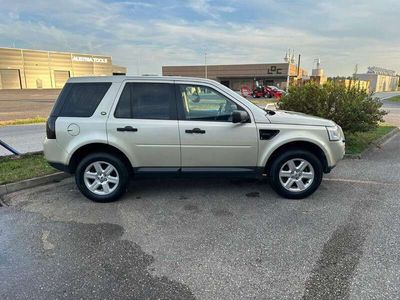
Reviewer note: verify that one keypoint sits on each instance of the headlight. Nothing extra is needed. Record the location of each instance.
(334, 133)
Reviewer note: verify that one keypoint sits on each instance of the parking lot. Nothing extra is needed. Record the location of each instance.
(209, 239)
(26, 103)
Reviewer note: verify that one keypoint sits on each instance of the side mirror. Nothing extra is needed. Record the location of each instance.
(240, 116)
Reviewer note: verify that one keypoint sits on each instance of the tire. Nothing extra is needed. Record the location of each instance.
(254, 95)
(105, 188)
(303, 182)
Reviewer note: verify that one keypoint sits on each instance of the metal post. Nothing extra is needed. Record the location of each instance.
(288, 77)
(298, 67)
(205, 64)
(9, 148)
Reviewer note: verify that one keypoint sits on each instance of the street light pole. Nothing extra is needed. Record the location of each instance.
(205, 64)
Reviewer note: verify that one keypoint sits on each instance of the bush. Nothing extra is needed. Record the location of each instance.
(353, 109)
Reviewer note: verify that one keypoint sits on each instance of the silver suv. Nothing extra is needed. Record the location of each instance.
(105, 129)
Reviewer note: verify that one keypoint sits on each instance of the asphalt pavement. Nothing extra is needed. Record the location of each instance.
(23, 138)
(209, 239)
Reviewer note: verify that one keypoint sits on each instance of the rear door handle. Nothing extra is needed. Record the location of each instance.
(195, 130)
(127, 128)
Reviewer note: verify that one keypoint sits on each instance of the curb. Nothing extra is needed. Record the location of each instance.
(32, 182)
(374, 144)
(21, 154)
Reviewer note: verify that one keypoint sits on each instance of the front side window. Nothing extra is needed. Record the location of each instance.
(205, 104)
(147, 101)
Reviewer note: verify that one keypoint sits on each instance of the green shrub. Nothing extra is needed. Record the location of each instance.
(353, 109)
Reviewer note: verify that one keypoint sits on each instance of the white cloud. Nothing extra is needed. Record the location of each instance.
(338, 37)
(206, 8)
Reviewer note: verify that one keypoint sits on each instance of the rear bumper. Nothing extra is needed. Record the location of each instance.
(54, 154)
(60, 166)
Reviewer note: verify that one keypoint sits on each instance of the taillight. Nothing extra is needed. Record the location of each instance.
(51, 127)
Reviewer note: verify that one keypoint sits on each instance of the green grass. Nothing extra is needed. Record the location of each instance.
(23, 121)
(18, 168)
(356, 143)
(261, 102)
(394, 99)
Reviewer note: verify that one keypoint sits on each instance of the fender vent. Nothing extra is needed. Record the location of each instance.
(267, 134)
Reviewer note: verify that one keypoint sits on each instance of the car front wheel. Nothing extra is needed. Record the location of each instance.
(102, 177)
(296, 174)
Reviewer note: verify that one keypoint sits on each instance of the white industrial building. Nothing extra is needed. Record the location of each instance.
(381, 80)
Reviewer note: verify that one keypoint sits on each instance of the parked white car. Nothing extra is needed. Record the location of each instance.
(105, 129)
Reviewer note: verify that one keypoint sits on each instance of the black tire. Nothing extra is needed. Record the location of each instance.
(284, 157)
(116, 162)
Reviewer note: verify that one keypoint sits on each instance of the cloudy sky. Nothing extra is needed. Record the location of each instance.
(144, 35)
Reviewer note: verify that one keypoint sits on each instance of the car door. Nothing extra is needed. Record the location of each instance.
(208, 136)
(144, 125)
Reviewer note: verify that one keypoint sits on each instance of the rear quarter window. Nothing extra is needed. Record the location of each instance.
(80, 99)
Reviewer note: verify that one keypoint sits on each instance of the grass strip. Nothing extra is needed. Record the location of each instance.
(394, 99)
(356, 143)
(23, 121)
(17, 168)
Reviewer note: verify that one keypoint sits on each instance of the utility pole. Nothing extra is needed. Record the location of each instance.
(205, 64)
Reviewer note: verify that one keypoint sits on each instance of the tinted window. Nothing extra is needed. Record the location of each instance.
(205, 104)
(80, 99)
(147, 101)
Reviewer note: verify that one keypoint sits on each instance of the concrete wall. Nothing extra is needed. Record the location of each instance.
(228, 71)
(380, 83)
(37, 68)
(360, 84)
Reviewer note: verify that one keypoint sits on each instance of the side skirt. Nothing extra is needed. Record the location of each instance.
(195, 172)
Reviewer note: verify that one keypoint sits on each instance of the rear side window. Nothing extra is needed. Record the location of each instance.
(80, 99)
(147, 101)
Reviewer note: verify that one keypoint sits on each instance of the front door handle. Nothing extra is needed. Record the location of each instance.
(127, 128)
(195, 130)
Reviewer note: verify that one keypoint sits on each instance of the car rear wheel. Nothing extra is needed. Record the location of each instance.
(102, 177)
(296, 174)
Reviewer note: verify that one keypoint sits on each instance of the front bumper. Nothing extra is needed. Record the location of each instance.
(336, 153)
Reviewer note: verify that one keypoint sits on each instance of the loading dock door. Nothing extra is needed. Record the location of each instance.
(60, 78)
(10, 79)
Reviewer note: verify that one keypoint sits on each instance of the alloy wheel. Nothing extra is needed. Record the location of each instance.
(101, 178)
(296, 175)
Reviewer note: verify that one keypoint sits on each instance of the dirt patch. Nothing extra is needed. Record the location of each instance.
(24, 104)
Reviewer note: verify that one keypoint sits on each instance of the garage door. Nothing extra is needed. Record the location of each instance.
(60, 78)
(10, 79)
